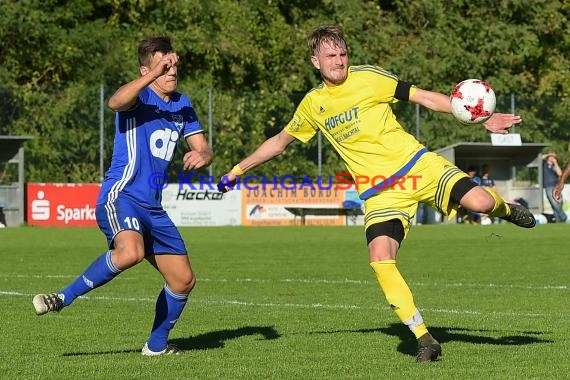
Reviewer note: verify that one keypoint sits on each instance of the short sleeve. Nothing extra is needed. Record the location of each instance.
(300, 126)
(190, 119)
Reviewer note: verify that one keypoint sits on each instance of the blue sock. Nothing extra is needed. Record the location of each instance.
(169, 306)
(101, 271)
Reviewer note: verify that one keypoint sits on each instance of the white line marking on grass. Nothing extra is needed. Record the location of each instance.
(356, 307)
(515, 286)
(368, 282)
(51, 276)
(7, 275)
(9, 293)
(322, 281)
(292, 305)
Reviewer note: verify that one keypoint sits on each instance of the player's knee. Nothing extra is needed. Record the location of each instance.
(480, 201)
(190, 283)
(485, 204)
(127, 256)
(183, 284)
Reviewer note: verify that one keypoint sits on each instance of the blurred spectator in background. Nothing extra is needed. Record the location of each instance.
(486, 180)
(421, 214)
(551, 172)
(472, 172)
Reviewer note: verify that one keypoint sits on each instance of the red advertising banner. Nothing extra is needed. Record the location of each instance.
(61, 204)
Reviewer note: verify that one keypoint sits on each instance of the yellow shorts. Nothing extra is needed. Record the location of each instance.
(430, 181)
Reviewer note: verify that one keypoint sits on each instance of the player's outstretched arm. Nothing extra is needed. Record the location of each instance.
(557, 190)
(271, 148)
(498, 123)
(200, 155)
(435, 101)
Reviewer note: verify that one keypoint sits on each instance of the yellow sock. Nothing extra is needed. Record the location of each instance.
(500, 209)
(399, 295)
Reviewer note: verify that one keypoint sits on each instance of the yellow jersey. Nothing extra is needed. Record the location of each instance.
(357, 119)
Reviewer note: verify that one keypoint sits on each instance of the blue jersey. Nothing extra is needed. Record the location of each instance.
(487, 182)
(146, 137)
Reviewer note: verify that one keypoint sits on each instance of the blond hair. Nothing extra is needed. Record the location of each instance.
(331, 34)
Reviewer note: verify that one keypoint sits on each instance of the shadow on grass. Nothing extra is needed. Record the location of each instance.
(408, 345)
(214, 339)
(217, 339)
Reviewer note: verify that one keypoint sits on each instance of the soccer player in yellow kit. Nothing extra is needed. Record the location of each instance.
(392, 170)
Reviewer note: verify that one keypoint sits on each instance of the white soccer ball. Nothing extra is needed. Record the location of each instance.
(473, 101)
(540, 219)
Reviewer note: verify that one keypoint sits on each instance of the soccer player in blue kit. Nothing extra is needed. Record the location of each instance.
(151, 117)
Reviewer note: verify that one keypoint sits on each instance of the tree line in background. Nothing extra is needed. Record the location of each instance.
(252, 56)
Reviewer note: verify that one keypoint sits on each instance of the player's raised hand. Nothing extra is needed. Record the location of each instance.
(501, 122)
(165, 64)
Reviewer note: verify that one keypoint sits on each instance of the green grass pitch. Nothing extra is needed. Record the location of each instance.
(296, 302)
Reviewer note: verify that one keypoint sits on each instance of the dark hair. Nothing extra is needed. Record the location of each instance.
(326, 33)
(152, 45)
(471, 169)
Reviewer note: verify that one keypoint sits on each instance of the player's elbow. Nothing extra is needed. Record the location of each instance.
(113, 104)
(117, 105)
(280, 143)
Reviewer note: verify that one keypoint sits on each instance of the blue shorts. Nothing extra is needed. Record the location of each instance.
(159, 232)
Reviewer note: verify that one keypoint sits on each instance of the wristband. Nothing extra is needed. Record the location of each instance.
(237, 170)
